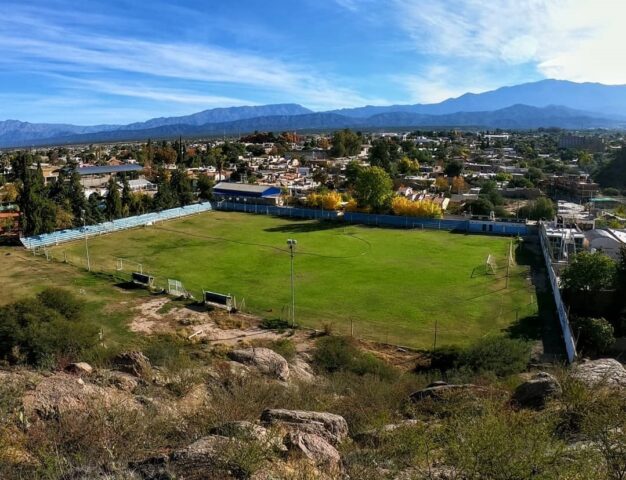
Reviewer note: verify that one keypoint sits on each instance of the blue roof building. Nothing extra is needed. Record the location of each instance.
(247, 193)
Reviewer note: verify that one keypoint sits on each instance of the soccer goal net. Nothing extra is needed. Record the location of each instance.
(491, 266)
(176, 288)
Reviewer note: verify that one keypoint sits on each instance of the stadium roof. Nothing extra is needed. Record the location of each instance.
(245, 189)
(109, 169)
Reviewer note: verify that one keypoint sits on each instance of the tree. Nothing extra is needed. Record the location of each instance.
(345, 143)
(373, 188)
(77, 200)
(352, 172)
(165, 198)
(540, 209)
(127, 196)
(38, 213)
(458, 185)
(441, 184)
(453, 168)
(205, 187)
(589, 273)
(480, 206)
(594, 335)
(407, 166)
(113, 200)
(181, 187)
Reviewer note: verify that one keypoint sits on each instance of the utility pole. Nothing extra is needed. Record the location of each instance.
(86, 243)
(292, 245)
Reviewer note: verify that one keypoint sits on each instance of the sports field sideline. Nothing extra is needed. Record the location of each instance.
(391, 285)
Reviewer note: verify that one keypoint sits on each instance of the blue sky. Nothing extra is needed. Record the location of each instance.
(120, 61)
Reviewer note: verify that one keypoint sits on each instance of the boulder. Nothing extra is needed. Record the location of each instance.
(135, 363)
(329, 426)
(193, 462)
(314, 448)
(242, 429)
(438, 391)
(123, 381)
(265, 360)
(63, 394)
(534, 392)
(602, 372)
(79, 368)
(301, 370)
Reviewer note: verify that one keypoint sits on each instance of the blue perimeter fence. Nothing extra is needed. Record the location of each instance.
(561, 309)
(61, 236)
(462, 225)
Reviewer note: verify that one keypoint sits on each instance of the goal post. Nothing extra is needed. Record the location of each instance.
(491, 267)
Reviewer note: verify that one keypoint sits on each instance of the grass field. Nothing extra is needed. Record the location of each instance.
(391, 284)
(23, 275)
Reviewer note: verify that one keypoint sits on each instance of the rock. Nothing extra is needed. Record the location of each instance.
(63, 394)
(243, 430)
(602, 372)
(331, 427)
(534, 392)
(301, 370)
(123, 381)
(79, 368)
(374, 437)
(194, 462)
(135, 363)
(440, 390)
(266, 360)
(314, 448)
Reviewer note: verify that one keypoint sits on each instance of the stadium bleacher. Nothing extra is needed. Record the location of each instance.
(61, 236)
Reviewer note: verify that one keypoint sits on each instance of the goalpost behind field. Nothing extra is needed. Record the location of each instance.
(491, 267)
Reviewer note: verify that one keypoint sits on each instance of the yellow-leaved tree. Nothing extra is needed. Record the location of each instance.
(421, 208)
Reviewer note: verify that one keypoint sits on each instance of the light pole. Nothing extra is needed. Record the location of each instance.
(86, 244)
(292, 245)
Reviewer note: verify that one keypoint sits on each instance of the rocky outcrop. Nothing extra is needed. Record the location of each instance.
(242, 429)
(535, 392)
(314, 448)
(63, 393)
(79, 368)
(333, 428)
(439, 391)
(265, 360)
(605, 372)
(135, 363)
(300, 370)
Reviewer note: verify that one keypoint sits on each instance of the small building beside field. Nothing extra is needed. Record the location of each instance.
(246, 193)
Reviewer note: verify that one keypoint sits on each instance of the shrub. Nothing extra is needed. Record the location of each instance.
(284, 347)
(40, 331)
(445, 358)
(274, 324)
(500, 355)
(167, 351)
(594, 335)
(334, 354)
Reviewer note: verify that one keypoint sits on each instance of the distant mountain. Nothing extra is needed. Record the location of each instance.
(548, 103)
(221, 115)
(608, 100)
(514, 117)
(16, 133)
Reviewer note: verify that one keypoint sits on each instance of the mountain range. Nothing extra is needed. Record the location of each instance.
(547, 103)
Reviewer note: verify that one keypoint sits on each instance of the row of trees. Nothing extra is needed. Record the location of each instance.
(62, 203)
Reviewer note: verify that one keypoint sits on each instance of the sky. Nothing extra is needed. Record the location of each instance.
(121, 61)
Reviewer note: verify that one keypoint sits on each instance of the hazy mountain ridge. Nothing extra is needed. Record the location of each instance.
(548, 103)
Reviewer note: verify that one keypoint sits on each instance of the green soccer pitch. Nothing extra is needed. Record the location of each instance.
(385, 284)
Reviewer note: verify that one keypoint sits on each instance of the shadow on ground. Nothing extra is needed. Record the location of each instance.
(305, 227)
(544, 326)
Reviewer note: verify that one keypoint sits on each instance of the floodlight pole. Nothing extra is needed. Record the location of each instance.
(86, 243)
(292, 244)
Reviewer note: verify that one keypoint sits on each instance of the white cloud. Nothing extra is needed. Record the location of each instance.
(29, 44)
(579, 40)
